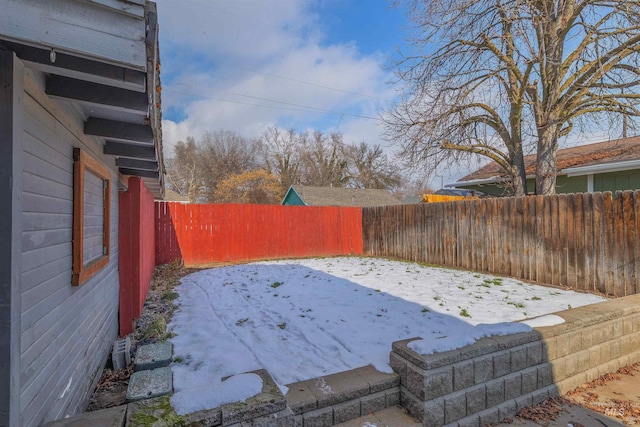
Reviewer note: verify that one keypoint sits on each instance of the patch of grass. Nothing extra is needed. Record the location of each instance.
(159, 413)
(170, 296)
(536, 299)
(241, 322)
(516, 304)
(157, 329)
(282, 325)
(378, 290)
(275, 295)
(178, 359)
(464, 313)
(496, 281)
(437, 298)
(462, 288)
(276, 284)
(425, 310)
(569, 307)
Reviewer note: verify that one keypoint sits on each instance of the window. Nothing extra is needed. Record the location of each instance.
(91, 210)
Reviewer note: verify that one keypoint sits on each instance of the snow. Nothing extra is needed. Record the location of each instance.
(302, 319)
(547, 320)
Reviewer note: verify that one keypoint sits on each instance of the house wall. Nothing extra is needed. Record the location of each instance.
(137, 252)
(66, 331)
(614, 181)
(564, 185)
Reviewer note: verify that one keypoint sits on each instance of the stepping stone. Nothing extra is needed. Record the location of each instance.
(150, 383)
(153, 356)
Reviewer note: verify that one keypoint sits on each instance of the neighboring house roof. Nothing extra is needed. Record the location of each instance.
(172, 196)
(333, 196)
(608, 156)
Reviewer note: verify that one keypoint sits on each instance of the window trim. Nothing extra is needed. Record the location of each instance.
(82, 162)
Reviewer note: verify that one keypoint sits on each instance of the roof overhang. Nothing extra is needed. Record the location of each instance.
(103, 57)
(602, 168)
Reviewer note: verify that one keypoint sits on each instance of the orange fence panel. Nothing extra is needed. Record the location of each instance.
(200, 234)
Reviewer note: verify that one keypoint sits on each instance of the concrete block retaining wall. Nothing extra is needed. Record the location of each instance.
(342, 397)
(494, 378)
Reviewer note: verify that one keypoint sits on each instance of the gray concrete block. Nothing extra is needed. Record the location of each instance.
(346, 411)
(534, 353)
(299, 421)
(529, 379)
(545, 375)
(512, 386)
(415, 379)
(507, 409)
(489, 416)
(472, 421)
(399, 366)
(112, 417)
(319, 418)
(300, 398)
(153, 356)
(476, 399)
(501, 363)
(433, 413)
(149, 384)
(121, 353)
(373, 402)
(392, 397)
(438, 382)
(522, 402)
(483, 369)
(539, 396)
(575, 341)
(377, 380)
(338, 388)
(463, 375)
(495, 392)
(455, 406)
(207, 417)
(411, 403)
(518, 358)
(283, 418)
(269, 401)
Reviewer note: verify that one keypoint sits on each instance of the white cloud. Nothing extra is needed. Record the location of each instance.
(245, 65)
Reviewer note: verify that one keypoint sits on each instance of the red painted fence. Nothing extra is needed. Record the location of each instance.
(135, 250)
(206, 234)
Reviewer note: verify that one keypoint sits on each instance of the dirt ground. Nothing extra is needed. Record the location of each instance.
(611, 400)
(150, 328)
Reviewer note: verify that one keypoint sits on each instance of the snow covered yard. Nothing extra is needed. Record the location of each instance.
(302, 319)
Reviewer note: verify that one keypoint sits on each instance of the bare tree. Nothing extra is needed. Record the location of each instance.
(588, 63)
(464, 87)
(183, 170)
(324, 160)
(225, 153)
(370, 167)
(282, 153)
(490, 73)
(254, 186)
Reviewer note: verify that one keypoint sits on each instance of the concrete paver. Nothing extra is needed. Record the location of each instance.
(569, 414)
(390, 417)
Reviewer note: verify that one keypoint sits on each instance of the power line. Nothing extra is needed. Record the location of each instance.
(302, 109)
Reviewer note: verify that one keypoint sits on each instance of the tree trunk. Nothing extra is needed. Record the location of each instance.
(518, 173)
(546, 161)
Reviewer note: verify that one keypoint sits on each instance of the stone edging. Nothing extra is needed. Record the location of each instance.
(497, 376)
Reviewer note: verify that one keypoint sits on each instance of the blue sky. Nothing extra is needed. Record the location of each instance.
(244, 65)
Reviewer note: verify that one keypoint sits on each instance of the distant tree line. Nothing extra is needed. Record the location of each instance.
(225, 167)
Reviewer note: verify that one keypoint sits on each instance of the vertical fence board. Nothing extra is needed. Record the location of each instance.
(598, 244)
(619, 245)
(628, 228)
(587, 221)
(579, 241)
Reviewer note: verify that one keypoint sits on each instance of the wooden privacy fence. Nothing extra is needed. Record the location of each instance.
(205, 234)
(584, 241)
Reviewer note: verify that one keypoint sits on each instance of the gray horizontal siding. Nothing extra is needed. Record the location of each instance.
(67, 331)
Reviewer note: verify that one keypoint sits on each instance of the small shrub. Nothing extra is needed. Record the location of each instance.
(276, 284)
(464, 313)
